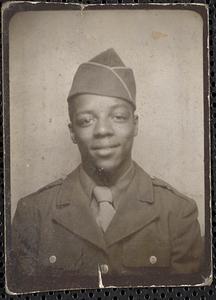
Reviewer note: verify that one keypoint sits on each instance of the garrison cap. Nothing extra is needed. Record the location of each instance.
(105, 75)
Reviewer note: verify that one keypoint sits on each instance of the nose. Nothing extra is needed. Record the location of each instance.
(103, 127)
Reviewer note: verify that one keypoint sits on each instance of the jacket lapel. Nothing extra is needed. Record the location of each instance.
(136, 209)
(72, 211)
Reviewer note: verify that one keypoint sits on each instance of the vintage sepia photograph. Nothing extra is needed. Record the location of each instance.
(107, 167)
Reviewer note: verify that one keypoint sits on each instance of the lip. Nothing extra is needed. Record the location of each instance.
(105, 151)
(107, 147)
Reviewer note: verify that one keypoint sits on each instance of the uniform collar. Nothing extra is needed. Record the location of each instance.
(86, 182)
(144, 187)
(121, 185)
(136, 209)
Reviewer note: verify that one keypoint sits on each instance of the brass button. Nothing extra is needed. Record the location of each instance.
(52, 259)
(153, 259)
(104, 268)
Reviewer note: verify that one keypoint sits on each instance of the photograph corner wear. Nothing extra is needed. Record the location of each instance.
(106, 146)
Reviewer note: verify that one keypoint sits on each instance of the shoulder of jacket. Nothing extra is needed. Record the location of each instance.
(161, 183)
(174, 199)
(40, 192)
(166, 186)
(41, 198)
(51, 185)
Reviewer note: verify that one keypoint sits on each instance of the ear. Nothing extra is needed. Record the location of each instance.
(72, 134)
(136, 121)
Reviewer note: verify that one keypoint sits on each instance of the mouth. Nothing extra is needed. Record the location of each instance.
(105, 147)
(105, 150)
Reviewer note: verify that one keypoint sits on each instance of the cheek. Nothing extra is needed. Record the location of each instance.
(83, 142)
(125, 132)
(83, 136)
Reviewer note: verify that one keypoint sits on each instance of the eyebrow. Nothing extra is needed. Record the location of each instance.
(119, 106)
(115, 106)
(90, 112)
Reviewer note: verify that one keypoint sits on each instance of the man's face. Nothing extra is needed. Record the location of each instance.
(104, 128)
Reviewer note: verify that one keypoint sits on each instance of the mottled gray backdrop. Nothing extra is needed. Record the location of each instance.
(164, 48)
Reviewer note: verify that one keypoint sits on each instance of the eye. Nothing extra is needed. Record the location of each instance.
(120, 117)
(85, 121)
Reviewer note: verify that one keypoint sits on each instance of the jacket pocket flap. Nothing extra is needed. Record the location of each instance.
(151, 255)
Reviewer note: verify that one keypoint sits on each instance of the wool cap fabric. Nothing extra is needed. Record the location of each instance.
(105, 75)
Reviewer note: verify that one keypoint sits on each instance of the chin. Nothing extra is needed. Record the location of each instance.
(107, 167)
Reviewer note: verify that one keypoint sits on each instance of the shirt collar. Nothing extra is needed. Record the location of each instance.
(88, 184)
(122, 184)
(71, 187)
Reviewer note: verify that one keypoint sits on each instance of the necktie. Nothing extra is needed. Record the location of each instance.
(106, 211)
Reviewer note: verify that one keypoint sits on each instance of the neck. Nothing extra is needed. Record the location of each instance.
(106, 177)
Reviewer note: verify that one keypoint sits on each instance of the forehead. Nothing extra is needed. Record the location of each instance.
(97, 103)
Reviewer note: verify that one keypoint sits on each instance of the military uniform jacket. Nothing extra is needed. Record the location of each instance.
(57, 243)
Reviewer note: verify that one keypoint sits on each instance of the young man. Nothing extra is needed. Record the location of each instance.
(108, 221)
